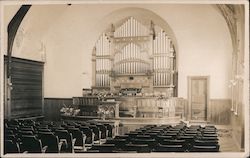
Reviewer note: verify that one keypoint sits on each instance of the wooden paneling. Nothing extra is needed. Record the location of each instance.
(26, 93)
(52, 107)
(219, 111)
(237, 123)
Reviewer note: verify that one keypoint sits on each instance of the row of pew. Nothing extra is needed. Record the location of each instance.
(31, 136)
(164, 138)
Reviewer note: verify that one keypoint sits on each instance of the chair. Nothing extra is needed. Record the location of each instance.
(190, 134)
(191, 131)
(52, 141)
(67, 139)
(150, 142)
(209, 132)
(205, 142)
(96, 131)
(32, 145)
(27, 128)
(104, 148)
(14, 129)
(208, 138)
(20, 134)
(152, 135)
(80, 138)
(132, 135)
(54, 128)
(209, 135)
(110, 130)
(172, 131)
(197, 148)
(103, 130)
(157, 130)
(8, 132)
(11, 147)
(119, 143)
(122, 137)
(14, 122)
(43, 130)
(161, 138)
(140, 148)
(169, 148)
(173, 142)
(173, 135)
(143, 137)
(188, 141)
(42, 126)
(11, 137)
(89, 135)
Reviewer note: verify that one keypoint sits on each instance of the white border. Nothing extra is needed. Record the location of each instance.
(179, 155)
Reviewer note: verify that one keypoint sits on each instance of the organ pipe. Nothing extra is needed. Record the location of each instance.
(128, 60)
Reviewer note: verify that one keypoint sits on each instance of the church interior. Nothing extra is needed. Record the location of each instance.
(124, 78)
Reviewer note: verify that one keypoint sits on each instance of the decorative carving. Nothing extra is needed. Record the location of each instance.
(228, 13)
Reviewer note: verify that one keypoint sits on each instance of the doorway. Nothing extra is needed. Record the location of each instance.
(198, 97)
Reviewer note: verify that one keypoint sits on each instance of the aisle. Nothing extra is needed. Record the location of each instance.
(227, 144)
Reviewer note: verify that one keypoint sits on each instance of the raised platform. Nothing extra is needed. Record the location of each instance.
(127, 120)
(145, 121)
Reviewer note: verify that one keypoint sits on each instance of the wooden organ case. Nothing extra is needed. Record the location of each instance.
(135, 55)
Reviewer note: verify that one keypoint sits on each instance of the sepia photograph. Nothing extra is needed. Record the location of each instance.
(124, 78)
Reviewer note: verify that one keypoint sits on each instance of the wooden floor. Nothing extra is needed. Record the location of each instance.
(227, 144)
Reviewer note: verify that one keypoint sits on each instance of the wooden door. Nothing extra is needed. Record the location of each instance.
(198, 98)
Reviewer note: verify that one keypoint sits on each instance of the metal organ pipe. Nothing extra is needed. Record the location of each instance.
(160, 41)
(163, 42)
(132, 27)
(126, 29)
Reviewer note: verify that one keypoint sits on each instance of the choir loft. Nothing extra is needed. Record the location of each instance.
(124, 78)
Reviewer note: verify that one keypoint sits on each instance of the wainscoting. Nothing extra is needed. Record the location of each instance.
(52, 107)
(219, 111)
(237, 123)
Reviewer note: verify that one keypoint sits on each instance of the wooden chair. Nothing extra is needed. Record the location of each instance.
(140, 148)
(79, 137)
(103, 131)
(104, 148)
(96, 131)
(89, 135)
(169, 148)
(32, 145)
(52, 141)
(197, 148)
(11, 147)
(110, 129)
(67, 139)
(150, 142)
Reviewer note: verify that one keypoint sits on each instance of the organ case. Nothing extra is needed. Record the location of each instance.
(135, 55)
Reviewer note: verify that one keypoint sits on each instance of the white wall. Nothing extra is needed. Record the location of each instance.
(66, 34)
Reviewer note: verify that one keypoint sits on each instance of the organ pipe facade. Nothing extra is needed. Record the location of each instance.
(135, 55)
